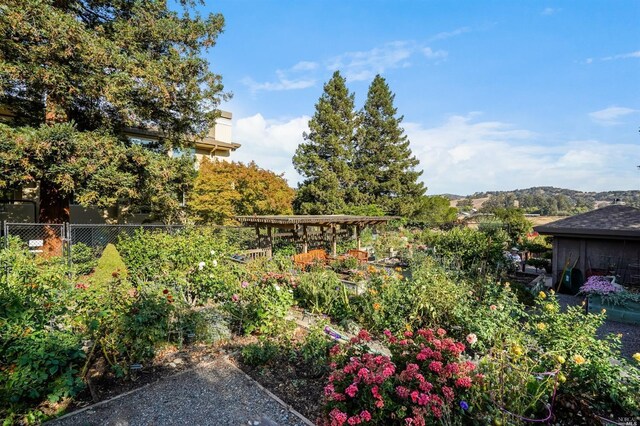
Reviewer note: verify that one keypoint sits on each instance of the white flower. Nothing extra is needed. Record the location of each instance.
(201, 265)
(213, 252)
(215, 263)
(277, 287)
(472, 338)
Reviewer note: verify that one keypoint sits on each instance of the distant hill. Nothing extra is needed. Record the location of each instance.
(546, 200)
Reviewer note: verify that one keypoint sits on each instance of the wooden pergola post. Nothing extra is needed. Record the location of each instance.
(305, 240)
(258, 236)
(334, 241)
(358, 240)
(270, 240)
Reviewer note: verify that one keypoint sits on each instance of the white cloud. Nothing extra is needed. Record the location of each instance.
(304, 66)
(448, 34)
(284, 79)
(270, 143)
(609, 116)
(364, 65)
(464, 156)
(434, 54)
(547, 11)
(629, 55)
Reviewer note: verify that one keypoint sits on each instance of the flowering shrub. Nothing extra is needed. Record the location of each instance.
(424, 381)
(262, 305)
(599, 285)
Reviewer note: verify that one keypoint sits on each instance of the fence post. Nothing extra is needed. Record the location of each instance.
(5, 233)
(66, 231)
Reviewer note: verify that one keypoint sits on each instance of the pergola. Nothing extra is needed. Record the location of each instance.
(298, 227)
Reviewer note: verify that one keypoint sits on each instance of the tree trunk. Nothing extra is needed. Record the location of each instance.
(54, 206)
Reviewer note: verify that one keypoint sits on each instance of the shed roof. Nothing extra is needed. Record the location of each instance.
(612, 221)
(313, 220)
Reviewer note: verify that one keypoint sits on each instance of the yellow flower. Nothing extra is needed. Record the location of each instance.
(408, 327)
(561, 378)
(542, 295)
(552, 292)
(550, 307)
(579, 359)
(373, 291)
(399, 269)
(541, 326)
(376, 306)
(560, 359)
(636, 356)
(603, 311)
(516, 349)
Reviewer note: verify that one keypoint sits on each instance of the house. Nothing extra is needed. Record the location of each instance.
(605, 241)
(22, 205)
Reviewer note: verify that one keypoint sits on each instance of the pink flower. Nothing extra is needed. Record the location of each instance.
(387, 333)
(375, 392)
(364, 335)
(493, 307)
(329, 389)
(435, 366)
(351, 390)
(426, 386)
(464, 382)
(402, 392)
(338, 416)
(388, 371)
(379, 403)
(408, 334)
(244, 284)
(353, 420)
(472, 338)
(235, 297)
(365, 416)
(441, 332)
(448, 393)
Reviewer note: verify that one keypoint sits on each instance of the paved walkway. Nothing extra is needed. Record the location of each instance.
(216, 393)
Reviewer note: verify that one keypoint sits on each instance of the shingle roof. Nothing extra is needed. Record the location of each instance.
(614, 221)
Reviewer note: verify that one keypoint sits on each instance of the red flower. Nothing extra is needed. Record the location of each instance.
(165, 291)
(464, 382)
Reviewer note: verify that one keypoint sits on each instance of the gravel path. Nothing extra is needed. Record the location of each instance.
(630, 332)
(217, 393)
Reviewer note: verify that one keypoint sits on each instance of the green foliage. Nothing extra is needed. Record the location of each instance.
(467, 248)
(516, 225)
(223, 190)
(261, 353)
(83, 259)
(109, 265)
(261, 305)
(434, 211)
(320, 291)
(324, 159)
(385, 167)
(189, 263)
(89, 71)
(314, 351)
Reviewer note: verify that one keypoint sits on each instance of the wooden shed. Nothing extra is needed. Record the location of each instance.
(605, 241)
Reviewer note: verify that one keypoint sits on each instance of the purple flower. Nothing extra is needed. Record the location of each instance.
(599, 285)
(464, 405)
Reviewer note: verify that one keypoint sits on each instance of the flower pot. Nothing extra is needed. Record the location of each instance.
(628, 313)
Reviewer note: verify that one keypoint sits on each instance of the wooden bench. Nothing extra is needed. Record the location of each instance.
(312, 256)
(361, 255)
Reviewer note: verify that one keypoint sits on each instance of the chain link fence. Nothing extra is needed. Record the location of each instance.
(58, 239)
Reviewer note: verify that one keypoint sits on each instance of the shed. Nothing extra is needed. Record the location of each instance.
(605, 241)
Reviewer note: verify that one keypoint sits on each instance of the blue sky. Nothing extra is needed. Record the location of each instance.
(496, 95)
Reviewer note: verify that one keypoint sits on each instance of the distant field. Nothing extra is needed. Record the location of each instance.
(543, 220)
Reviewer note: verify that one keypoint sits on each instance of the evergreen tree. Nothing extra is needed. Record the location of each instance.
(325, 158)
(383, 159)
(104, 66)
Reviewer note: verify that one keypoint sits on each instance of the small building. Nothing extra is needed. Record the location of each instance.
(604, 241)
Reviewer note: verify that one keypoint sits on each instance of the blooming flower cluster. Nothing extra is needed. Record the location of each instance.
(423, 380)
(599, 285)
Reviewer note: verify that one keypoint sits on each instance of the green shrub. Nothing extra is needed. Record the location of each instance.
(314, 351)
(109, 265)
(320, 291)
(83, 259)
(261, 353)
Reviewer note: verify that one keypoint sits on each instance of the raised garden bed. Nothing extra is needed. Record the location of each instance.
(628, 313)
